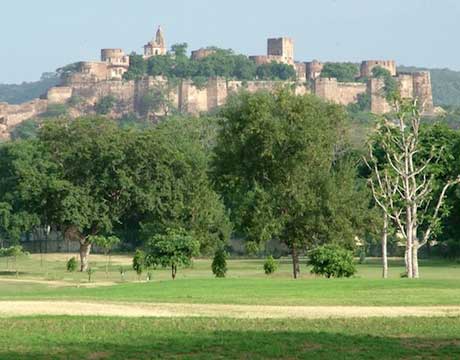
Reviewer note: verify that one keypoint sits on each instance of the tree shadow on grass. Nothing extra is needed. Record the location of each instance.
(236, 345)
(13, 273)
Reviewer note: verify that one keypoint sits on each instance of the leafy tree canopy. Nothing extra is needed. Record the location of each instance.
(173, 249)
(343, 72)
(277, 164)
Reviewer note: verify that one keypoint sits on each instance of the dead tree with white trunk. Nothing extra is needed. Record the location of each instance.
(402, 184)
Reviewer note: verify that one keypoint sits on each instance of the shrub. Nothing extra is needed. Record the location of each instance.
(26, 130)
(219, 263)
(139, 262)
(362, 255)
(55, 111)
(72, 264)
(332, 261)
(270, 265)
(90, 273)
(105, 105)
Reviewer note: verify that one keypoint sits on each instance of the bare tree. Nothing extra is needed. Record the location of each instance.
(402, 184)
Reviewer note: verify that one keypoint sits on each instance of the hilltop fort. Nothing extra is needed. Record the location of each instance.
(91, 81)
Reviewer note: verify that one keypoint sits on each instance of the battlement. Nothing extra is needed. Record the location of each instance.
(368, 65)
(313, 69)
(343, 93)
(202, 53)
(282, 47)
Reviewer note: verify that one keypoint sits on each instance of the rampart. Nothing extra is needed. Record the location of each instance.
(368, 65)
(12, 115)
(343, 93)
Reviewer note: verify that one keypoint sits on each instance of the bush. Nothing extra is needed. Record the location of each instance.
(219, 263)
(332, 261)
(72, 264)
(139, 262)
(105, 105)
(26, 130)
(270, 265)
(55, 111)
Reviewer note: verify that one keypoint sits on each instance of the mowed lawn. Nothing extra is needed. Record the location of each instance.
(207, 338)
(99, 338)
(245, 284)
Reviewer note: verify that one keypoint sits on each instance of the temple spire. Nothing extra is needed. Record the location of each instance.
(159, 38)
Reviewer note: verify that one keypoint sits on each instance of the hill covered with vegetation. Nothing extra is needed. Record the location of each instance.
(20, 93)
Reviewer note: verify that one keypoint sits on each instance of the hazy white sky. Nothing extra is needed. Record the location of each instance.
(39, 36)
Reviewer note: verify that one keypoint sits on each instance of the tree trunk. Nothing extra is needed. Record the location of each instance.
(384, 247)
(173, 271)
(415, 272)
(295, 263)
(85, 249)
(409, 243)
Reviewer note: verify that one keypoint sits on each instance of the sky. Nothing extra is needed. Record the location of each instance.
(40, 36)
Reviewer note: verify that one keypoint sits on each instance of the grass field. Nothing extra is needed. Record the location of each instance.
(246, 284)
(93, 338)
(187, 338)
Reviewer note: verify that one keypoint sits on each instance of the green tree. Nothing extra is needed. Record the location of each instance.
(362, 104)
(23, 174)
(438, 138)
(391, 86)
(26, 130)
(343, 72)
(176, 190)
(161, 65)
(179, 50)
(270, 265)
(157, 100)
(86, 190)
(137, 67)
(105, 105)
(274, 165)
(173, 249)
(139, 262)
(276, 71)
(219, 263)
(55, 111)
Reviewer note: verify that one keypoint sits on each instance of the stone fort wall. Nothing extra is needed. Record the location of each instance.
(189, 98)
(343, 93)
(12, 115)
